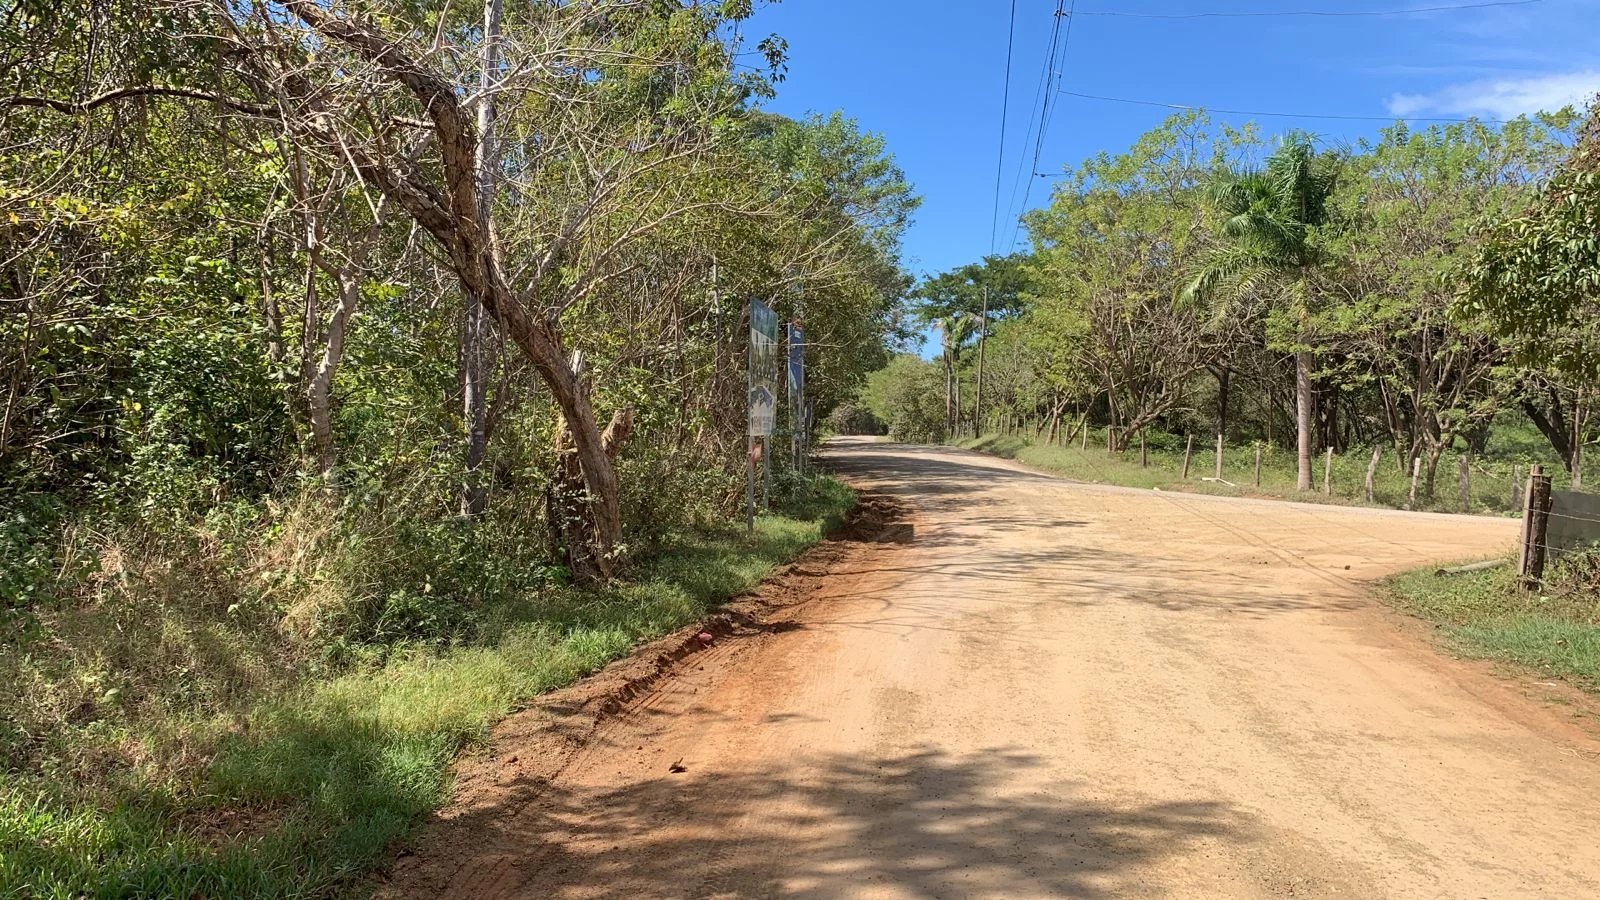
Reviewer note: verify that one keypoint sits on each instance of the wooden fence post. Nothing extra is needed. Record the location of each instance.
(1188, 454)
(1466, 482)
(1258, 465)
(1327, 475)
(1516, 487)
(1084, 437)
(1219, 456)
(1372, 473)
(1144, 452)
(1416, 472)
(1535, 528)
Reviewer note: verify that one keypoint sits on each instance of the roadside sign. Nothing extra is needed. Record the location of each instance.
(763, 369)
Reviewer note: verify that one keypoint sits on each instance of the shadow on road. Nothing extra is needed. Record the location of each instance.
(918, 823)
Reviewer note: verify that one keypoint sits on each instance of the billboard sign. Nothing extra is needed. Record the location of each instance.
(763, 369)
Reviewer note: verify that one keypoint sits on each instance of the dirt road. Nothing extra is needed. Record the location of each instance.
(1065, 690)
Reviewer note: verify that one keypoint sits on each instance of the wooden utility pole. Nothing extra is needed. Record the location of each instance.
(1535, 528)
(1372, 473)
(1188, 454)
(1327, 475)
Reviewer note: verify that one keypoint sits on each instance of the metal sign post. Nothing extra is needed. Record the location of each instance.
(797, 391)
(763, 401)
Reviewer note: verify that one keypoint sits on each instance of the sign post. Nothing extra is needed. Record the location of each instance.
(797, 394)
(763, 401)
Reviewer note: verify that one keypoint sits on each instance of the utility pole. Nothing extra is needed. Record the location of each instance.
(983, 334)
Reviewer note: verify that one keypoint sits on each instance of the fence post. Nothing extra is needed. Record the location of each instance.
(1188, 454)
(1083, 447)
(1535, 528)
(1219, 456)
(1327, 475)
(1516, 487)
(1372, 473)
(1416, 472)
(1466, 482)
(1258, 465)
(1144, 452)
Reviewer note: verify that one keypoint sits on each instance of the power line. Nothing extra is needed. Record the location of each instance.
(1320, 13)
(1005, 111)
(1047, 81)
(1280, 115)
(1057, 63)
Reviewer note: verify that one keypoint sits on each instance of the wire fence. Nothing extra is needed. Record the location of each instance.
(1480, 484)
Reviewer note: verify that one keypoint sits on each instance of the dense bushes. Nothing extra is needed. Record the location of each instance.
(908, 395)
(850, 417)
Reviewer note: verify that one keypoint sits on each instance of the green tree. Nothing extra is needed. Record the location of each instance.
(1535, 285)
(964, 303)
(1412, 210)
(905, 395)
(1270, 250)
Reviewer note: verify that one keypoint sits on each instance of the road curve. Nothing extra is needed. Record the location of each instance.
(1065, 690)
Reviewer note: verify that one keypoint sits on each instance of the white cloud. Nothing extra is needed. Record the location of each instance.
(1502, 98)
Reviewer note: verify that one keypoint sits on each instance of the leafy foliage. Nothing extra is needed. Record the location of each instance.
(236, 439)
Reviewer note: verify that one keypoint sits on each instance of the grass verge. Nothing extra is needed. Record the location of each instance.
(1486, 615)
(307, 793)
(1490, 493)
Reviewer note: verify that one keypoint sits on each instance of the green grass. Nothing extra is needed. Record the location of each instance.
(1490, 482)
(1486, 615)
(333, 772)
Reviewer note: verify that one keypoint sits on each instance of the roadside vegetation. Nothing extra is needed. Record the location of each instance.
(1553, 631)
(366, 370)
(1428, 295)
(1494, 483)
(297, 791)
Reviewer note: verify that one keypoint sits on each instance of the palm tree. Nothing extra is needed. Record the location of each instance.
(1270, 252)
(954, 332)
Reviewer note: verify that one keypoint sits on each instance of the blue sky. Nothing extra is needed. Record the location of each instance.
(928, 75)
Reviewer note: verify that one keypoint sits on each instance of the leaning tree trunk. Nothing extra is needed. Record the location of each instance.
(457, 216)
(568, 514)
(1303, 417)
